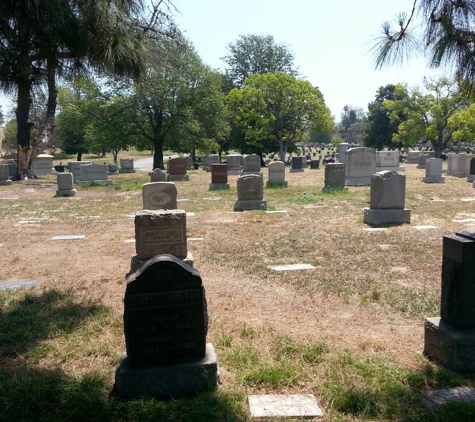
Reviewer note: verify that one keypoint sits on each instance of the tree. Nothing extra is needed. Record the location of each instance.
(179, 102)
(379, 128)
(464, 121)
(41, 40)
(448, 36)
(257, 54)
(278, 108)
(428, 115)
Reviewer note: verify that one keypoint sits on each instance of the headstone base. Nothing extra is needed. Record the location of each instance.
(250, 205)
(453, 348)
(358, 181)
(471, 178)
(166, 381)
(136, 263)
(390, 216)
(218, 186)
(390, 168)
(327, 189)
(457, 174)
(283, 184)
(178, 178)
(93, 182)
(297, 170)
(433, 179)
(66, 192)
(5, 182)
(126, 171)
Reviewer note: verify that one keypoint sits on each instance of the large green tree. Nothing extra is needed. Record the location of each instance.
(41, 40)
(428, 115)
(278, 108)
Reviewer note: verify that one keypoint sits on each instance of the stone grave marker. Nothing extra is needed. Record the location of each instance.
(65, 184)
(388, 160)
(450, 338)
(189, 162)
(75, 166)
(471, 175)
(112, 169)
(360, 164)
(314, 164)
(276, 171)
(334, 177)
(297, 165)
(16, 284)
(219, 177)
(4, 175)
(284, 406)
(158, 175)
(235, 162)
(159, 196)
(176, 170)
(209, 160)
(423, 159)
(251, 164)
(93, 174)
(250, 190)
(126, 165)
(43, 164)
(413, 157)
(12, 169)
(387, 199)
(69, 237)
(433, 171)
(165, 328)
(342, 148)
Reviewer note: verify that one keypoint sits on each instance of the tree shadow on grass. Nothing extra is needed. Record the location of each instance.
(33, 318)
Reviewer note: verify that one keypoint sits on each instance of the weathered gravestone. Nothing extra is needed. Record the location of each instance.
(413, 157)
(471, 175)
(209, 160)
(159, 196)
(388, 160)
(334, 177)
(219, 177)
(360, 164)
(458, 165)
(126, 165)
(423, 159)
(297, 165)
(165, 328)
(342, 148)
(93, 174)
(189, 163)
(250, 190)
(4, 175)
(434, 171)
(43, 164)
(74, 167)
(176, 169)
(65, 184)
(314, 164)
(450, 339)
(112, 169)
(160, 232)
(12, 169)
(276, 174)
(251, 164)
(387, 199)
(158, 175)
(234, 162)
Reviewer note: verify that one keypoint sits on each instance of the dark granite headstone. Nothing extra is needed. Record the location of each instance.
(219, 173)
(472, 166)
(458, 280)
(165, 313)
(297, 163)
(177, 166)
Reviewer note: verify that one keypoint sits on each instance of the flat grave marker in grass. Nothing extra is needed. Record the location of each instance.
(375, 229)
(292, 267)
(129, 241)
(465, 220)
(9, 198)
(69, 237)
(284, 406)
(33, 220)
(130, 216)
(196, 238)
(190, 214)
(93, 217)
(467, 199)
(2, 245)
(311, 207)
(428, 227)
(15, 284)
(214, 198)
(437, 398)
(277, 212)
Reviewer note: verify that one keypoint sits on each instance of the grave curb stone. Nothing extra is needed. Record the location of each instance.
(388, 216)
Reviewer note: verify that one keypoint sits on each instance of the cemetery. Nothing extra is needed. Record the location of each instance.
(237, 288)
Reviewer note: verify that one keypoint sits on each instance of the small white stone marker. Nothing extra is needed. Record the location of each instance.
(182, 200)
(457, 394)
(88, 216)
(2, 245)
(196, 238)
(130, 216)
(309, 207)
(69, 237)
(214, 198)
(277, 212)
(33, 220)
(10, 198)
(129, 241)
(467, 199)
(190, 214)
(298, 405)
(375, 229)
(424, 227)
(15, 284)
(466, 220)
(292, 267)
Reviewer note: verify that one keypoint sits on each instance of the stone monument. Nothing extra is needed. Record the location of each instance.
(43, 164)
(297, 165)
(342, 148)
(126, 165)
(360, 164)
(165, 328)
(176, 169)
(74, 167)
(433, 171)
(334, 177)
(94, 174)
(234, 162)
(158, 175)
(388, 160)
(251, 164)
(450, 338)
(219, 177)
(276, 174)
(387, 199)
(5, 175)
(159, 196)
(65, 184)
(471, 175)
(250, 190)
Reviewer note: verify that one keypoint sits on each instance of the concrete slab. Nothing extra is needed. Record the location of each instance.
(129, 241)
(437, 398)
(69, 237)
(284, 406)
(182, 200)
(214, 198)
(192, 239)
(292, 267)
(465, 220)
(310, 207)
(277, 212)
(12, 198)
(424, 227)
(190, 214)
(16, 284)
(467, 199)
(375, 229)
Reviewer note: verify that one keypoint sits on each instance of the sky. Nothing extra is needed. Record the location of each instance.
(330, 39)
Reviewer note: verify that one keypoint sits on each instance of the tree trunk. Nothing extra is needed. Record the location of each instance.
(79, 156)
(158, 154)
(23, 128)
(115, 153)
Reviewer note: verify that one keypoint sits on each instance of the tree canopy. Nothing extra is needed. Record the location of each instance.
(278, 108)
